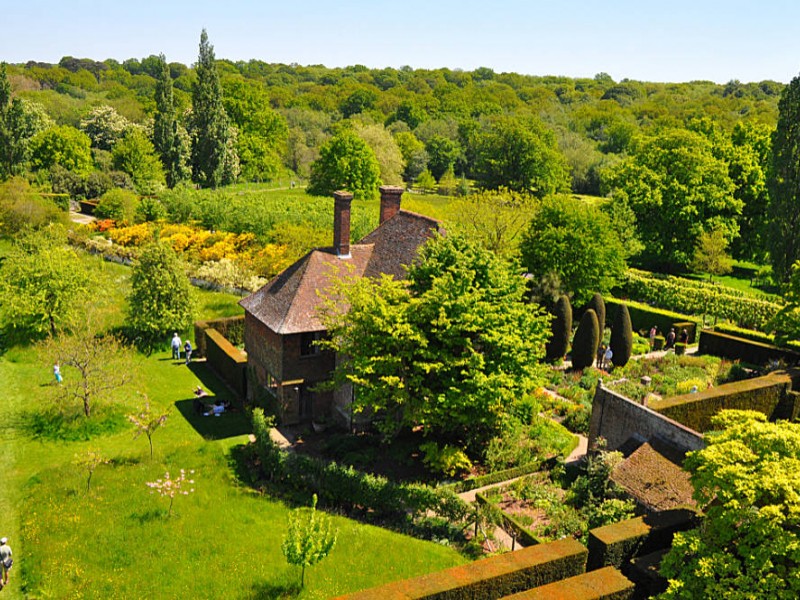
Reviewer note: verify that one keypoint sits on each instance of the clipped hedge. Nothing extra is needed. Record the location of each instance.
(643, 317)
(603, 584)
(752, 334)
(227, 361)
(474, 483)
(490, 578)
(561, 330)
(698, 298)
(586, 341)
(232, 328)
(749, 351)
(768, 395)
(615, 545)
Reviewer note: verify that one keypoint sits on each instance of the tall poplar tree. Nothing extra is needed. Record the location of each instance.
(167, 137)
(214, 160)
(784, 238)
(12, 138)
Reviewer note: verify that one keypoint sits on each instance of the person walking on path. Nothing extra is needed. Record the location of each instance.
(607, 356)
(684, 338)
(57, 373)
(176, 346)
(187, 348)
(5, 561)
(670, 339)
(653, 334)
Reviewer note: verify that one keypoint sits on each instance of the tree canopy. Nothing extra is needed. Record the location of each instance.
(446, 350)
(746, 481)
(345, 162)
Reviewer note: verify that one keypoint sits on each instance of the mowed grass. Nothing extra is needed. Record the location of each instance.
(116, 540)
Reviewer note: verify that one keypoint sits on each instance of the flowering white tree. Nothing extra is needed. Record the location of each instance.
(169, 487)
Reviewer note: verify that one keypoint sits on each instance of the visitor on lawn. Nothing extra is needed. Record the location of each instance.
(187, 347)
(57, 373)
(176, 346)
(5, 561)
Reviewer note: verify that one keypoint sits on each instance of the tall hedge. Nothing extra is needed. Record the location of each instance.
(586, 341)
(599, 307)
(561, 328)
(621, 337)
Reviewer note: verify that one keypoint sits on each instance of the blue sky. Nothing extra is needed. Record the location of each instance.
(670, 40)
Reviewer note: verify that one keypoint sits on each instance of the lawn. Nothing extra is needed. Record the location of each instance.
(116, 540)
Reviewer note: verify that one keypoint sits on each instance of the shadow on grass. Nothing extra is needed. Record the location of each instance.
(149, 516)
(53, 425)
(283, 587)
(229, 424)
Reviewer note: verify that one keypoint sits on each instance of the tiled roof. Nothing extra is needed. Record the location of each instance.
(653, 476)
(288, 303)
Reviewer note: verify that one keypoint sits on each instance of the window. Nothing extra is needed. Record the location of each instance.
(308, 343)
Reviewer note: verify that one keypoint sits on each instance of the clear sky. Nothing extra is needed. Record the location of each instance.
(666, 41)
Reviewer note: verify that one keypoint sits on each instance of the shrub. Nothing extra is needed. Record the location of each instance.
(561, 328)
(680, 348)
(445, 459)
(598, 305)
(119, 205)
(621, 337)
(586, 341)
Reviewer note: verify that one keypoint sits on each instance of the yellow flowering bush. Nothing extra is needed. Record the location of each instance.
(133, 235)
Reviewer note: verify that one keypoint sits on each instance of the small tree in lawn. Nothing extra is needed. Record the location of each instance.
(710, 254)
(169, 487)
(90, 461)
(147, 422)
(621, 337)
(586, 340)
(309, 538)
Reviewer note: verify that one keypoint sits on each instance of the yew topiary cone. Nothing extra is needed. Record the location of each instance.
(621, 337)
(586, 340)
(561, 329)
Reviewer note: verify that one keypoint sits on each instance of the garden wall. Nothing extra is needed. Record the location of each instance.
(616, 419)
(749, 351)
(490, 578)
(769, 395)
(603, 584)
(232, 328)
(227, 361)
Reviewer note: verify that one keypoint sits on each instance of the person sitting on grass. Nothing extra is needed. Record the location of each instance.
(216, 410)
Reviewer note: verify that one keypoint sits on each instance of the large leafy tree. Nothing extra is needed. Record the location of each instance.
(784, 208)
(161, 300)
(523, 157)
(18, 123)
(64, 146)
(447, 350)
(169, 138)
(575, 241)
(42, 284)
(345, 162)
(104, 126)
(214, 159)
(677, 188)
(135, 155)
(748, 545)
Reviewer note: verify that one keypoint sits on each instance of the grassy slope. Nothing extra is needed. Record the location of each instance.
(116, 542)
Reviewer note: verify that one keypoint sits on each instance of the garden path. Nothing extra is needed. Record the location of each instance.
(81, 218)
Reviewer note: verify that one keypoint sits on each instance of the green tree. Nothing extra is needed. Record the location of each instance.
(119, 205)
(677, 188)
(786, 323)
(387, 153)
(214, 159)
(21, 208)
(561, 330)
(425, 181)
(746, 481)
(415, 158)
(169, 139)
(309, 538)
(784, 184)
(42, 284)
(710, 254)
(445, 350)
(523, 157)
(621, 337)
(442, 155)
(161, 300)
(575, 241)
(64, 146)
(19, 121)
(135, 155)
(585, 341)
(345, 162)
(96, 367)
(598, 305)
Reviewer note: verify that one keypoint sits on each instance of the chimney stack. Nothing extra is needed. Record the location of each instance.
(341, 223)
(390, 201)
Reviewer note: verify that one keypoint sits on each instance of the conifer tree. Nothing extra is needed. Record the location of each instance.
(784, 207)
(12, 138)
(167, 138)
(561, 328)
(214, 160)
(585, 342)
(621, 337)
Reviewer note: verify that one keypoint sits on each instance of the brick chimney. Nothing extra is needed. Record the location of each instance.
(390, 201)
(341, 223)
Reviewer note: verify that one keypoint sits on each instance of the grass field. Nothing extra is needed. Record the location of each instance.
(116, 541)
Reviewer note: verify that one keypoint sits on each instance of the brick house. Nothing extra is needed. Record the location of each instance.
(281, 320)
